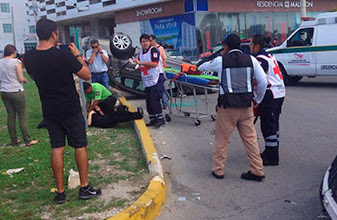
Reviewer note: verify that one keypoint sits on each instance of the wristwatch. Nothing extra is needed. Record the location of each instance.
(101, 52)
(78, 55)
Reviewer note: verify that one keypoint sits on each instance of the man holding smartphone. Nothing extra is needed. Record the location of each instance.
(97, 59)
(52, 70)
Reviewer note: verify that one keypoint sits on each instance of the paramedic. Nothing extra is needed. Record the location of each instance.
(235, 105)
(270, 108)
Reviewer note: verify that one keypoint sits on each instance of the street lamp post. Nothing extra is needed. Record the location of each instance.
(13, 29)
(303, 8)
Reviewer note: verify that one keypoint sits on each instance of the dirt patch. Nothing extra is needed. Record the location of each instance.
(125, 191)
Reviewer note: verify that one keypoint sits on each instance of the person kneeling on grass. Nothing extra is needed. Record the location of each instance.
(98, 95)
(97, 118)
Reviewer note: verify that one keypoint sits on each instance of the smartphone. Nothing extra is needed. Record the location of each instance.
(64, 47)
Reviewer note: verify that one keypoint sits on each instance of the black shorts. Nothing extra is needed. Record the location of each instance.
(73, 127)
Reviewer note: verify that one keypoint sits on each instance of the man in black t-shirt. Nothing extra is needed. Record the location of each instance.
(52, 70)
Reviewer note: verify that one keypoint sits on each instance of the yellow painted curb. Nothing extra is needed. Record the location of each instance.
(148, 205)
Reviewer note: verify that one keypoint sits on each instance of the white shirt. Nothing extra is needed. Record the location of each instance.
(215, 65)
(8, 75)
(98, 64)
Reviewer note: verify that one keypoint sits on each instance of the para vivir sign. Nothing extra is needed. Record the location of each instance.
(283, 4)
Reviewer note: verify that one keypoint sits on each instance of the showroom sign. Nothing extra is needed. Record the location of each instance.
(282, 4)
(149, 11)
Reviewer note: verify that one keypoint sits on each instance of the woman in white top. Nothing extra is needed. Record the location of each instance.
(13, 95)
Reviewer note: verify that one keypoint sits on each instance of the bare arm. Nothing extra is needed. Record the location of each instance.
(94, 104)
(104, 58)
(93, 56)
(147, 64)
(84, 72)
(89, 120)
(19, 72)
(87, 106)
(163, 56)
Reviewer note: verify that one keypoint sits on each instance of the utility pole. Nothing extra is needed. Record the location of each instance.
(13, 29)
(35, 10)
(303, 8)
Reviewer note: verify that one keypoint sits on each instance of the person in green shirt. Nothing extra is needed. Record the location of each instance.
(97, 95)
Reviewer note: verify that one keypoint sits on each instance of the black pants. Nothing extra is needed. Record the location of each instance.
(110, 120)
(108, 104)
(269, 111)
(153, 96)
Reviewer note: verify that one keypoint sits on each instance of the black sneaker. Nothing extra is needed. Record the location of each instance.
(159, 123)
(270, 158)
(250, 176)
(140, 110)
(151, 123)
(219, 177)
(60, 198)
(42, 124)
(88, 192)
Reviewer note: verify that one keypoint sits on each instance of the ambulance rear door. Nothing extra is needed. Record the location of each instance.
(327, 47)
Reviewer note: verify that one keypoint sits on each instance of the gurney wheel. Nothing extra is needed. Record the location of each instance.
(197, 122)
(187, 114)
(213, 117)
(167, 117)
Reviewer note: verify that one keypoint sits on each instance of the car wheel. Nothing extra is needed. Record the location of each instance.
(121, 46)
(288, 80)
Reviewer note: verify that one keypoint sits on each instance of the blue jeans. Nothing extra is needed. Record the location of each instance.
(101, 78)
(164, 99)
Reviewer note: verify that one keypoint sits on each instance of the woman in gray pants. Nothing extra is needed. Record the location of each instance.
(13, 95)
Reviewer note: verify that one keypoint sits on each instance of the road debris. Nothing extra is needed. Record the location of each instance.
(73, 179)
(288, 201)
(12, 171)
(182, 199)
(164, 156)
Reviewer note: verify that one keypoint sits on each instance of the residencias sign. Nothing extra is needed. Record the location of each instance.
(282, 4)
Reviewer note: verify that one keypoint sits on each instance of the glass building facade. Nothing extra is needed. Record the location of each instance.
(212, 28)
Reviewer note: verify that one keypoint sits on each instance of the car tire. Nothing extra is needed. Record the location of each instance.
(121, 46)
(288, 80)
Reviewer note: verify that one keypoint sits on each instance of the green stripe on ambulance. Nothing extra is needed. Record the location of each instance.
(304, 49)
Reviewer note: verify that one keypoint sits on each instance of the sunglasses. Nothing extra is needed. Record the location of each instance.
(94, 47)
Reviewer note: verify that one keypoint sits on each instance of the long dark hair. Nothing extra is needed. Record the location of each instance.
(9, 50)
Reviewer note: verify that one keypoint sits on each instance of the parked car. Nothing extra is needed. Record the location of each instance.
(174, 54)
(328, 190)
(310, 51)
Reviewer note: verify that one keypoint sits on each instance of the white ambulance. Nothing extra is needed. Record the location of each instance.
(310, 51)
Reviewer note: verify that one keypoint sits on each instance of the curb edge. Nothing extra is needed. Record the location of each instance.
(148, 205)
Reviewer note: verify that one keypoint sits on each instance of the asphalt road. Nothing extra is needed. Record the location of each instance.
(308, 144)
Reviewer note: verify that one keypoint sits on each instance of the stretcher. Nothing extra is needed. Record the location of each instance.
(176, 107)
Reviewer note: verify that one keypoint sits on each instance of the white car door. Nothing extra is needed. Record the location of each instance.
(300, 59)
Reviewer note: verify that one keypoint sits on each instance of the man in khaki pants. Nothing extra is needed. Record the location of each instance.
(235, 105)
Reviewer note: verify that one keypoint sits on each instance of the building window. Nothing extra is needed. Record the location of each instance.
(60, 4)
(111, 2)
(7, 28)
(61, 13)
(4, 7)
(50, 2)
(50, 11)
(32, 29)
(94, 1)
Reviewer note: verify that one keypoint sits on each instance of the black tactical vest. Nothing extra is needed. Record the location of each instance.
(236, 80)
